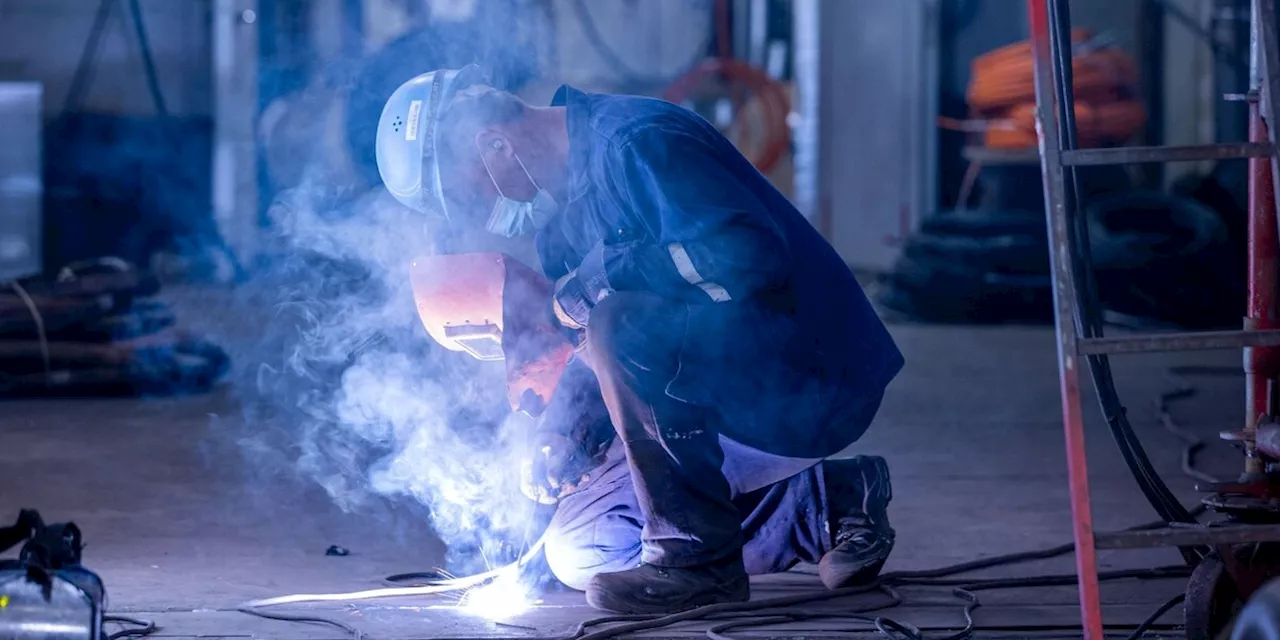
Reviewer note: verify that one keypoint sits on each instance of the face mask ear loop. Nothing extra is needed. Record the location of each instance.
(528, 175)
(493, 214)
(493, 180)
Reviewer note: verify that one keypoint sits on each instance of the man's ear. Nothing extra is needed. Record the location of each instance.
(493, 144)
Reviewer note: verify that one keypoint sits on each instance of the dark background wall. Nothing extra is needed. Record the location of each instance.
(43, 39)
(118, 179)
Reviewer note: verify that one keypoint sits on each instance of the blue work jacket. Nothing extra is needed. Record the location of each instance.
(781, 336)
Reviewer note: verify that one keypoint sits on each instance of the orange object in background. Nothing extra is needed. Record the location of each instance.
(1001, 95)
(494, 307)
(1098, 125)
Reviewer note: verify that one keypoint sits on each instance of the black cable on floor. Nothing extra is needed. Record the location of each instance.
(355, 633)
(771, 611)
(1141, 629)
(1183, 390)
(142, 627)
(756, 609)
(414, 578)
(886, 626)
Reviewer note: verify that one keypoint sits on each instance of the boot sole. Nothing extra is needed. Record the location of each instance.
(830, 574)
(738, 592)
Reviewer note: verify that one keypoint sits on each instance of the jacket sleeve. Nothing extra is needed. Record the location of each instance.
(708, 238)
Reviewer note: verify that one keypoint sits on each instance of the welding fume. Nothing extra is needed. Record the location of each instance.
(691, 350)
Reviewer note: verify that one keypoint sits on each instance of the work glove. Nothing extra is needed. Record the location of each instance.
(571, 438)
(554, 467)
(579, 291)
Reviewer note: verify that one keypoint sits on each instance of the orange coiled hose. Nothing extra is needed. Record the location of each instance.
(766, 144)
(1001, 94)
(1099, 125)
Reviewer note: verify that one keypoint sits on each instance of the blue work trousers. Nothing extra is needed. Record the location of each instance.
(676, 488)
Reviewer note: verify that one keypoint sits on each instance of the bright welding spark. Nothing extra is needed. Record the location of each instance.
(502, 599)
(493, 594)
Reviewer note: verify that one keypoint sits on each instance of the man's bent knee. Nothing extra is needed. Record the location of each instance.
(609, 543)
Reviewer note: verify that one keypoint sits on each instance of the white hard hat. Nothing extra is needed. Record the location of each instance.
(406, 144)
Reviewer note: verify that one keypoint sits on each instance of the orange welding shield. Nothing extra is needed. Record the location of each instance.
(493, 307)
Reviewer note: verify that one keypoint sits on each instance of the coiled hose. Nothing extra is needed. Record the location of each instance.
(763, 147)
(1002, 100)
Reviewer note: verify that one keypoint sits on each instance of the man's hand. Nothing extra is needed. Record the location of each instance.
(552, 469)
(570, 303)
(581, 290)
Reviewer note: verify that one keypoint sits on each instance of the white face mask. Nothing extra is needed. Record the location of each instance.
(512, 218)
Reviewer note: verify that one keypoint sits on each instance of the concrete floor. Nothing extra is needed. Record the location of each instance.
(182, 531)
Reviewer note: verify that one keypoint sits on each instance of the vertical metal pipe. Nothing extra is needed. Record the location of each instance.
(238, 202)
(808, 133)
(1272, 389)
(1064, 298)
(1152, 42)
(758, 36)
(1259, 362)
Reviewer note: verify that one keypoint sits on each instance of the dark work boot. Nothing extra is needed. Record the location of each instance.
(650, 589)
(858, 493)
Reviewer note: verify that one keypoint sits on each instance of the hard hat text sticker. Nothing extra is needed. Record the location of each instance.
(411, 124)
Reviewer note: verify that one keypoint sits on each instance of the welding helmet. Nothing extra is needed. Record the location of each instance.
(407, 133)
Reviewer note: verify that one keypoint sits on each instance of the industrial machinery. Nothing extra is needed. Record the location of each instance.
(45, 593)
(494, 307)
(1236, 553)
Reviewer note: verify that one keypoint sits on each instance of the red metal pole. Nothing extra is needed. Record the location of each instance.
(1056, 215)
(1260, 363)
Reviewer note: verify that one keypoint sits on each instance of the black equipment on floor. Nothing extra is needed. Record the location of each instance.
(46, 593)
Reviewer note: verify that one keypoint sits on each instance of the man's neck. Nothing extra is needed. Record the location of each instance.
(549, 126)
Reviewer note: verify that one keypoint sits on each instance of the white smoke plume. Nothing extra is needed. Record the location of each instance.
(360, 400)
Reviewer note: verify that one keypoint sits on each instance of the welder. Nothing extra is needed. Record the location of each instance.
(730, 347)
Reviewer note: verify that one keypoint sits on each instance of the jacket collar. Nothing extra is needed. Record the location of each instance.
(577, 106)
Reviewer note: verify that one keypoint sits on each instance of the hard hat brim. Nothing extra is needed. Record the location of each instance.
(449, 85)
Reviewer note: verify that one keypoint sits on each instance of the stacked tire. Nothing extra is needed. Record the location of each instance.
(99, 330)
(1158, 259)
(974, 267)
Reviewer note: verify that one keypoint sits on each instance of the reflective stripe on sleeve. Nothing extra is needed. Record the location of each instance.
(685, 266)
